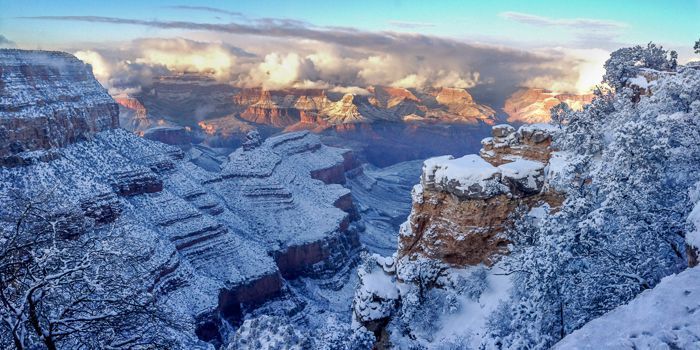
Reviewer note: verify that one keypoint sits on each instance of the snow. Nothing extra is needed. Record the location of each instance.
(538, 127)
(692, 237)
(503, 129)
(559, 171)
(521, 168)
(639, 81)
(470, 321)
(379, 283)
(665, 317)
(467, 171)
(539, 213)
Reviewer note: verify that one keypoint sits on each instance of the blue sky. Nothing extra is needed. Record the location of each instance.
(674, 23)
(558, 45)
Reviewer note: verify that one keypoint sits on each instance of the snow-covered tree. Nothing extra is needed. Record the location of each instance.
(65, 285)
(626, 63)
(558, 114)
(621, 229)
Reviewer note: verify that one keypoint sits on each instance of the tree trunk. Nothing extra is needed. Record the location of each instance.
(34, 321)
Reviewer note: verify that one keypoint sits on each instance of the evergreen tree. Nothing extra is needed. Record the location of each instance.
(621, 229)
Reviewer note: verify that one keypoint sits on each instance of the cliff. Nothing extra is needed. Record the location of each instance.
(48, 100)
(533, 105)
(223, 243)
(462, 206)
(446, 267)
(133, 115)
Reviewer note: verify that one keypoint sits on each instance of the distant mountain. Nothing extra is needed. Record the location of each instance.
(532, 105)
(385, 126)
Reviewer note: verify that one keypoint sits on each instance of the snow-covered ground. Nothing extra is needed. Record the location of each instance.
(665, 317)
(469, 321)
(467, 171)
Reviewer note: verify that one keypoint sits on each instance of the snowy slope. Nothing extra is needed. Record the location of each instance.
(665, 317)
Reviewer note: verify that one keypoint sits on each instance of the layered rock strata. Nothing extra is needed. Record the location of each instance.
(48, 99)
(462, 206)
(222, 242)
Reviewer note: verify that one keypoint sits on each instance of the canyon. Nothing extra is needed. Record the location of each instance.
(222, 242)
(384, 126)
(312, 219)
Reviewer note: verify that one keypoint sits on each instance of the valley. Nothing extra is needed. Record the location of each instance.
(221, 199)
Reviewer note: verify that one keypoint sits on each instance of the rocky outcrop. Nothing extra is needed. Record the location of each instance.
(268, 112)
(462, 206)
(529, 142)
(532, 105)
(344, 111)
(133, 115)
(461, 107)
(391, 97)
(49, 100)
(131, 103)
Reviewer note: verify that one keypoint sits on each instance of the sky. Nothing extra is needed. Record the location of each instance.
(559, 45)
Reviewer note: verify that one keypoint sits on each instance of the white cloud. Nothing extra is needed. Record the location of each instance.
(579, 23)
(100, 68)
(411, 25)
(187, 55)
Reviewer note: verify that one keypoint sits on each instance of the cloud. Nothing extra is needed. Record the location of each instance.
(586, 63)
(186, 55)
(205, 9)
(576, 23)
(289, 53)
(100, 68)
(411, 25)
(280, 71)
(355, 90)
(5, 42)
(134, 64)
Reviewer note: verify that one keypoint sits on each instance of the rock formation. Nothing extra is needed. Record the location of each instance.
(223, 242)
(45, 105)
(533, 105)
(530, 142)
(462, 206)
(391, 97)
(461, 107)
(395, 123)
(133, 115)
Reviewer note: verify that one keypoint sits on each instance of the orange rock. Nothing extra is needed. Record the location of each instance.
(470, 230)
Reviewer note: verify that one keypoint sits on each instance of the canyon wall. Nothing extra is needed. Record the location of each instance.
(532, 105)
(49, 99)
(224, 242)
